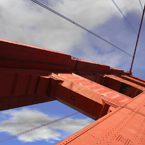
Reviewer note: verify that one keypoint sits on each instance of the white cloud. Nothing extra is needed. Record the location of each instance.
(25, 22)
(26, 119)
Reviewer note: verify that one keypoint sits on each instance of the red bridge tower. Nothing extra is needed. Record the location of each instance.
(31, 75)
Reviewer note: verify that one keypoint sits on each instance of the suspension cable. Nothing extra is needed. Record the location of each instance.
(137, 40)
(124, 16)
(29, 130)
(141, 4)
(66, 18)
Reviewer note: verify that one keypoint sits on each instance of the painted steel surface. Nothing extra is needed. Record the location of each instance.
(113, 97)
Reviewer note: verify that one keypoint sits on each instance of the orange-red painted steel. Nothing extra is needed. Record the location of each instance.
(113, 97)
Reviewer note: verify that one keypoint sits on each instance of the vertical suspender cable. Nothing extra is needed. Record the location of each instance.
(137, 39)
(124, 16)
(141, 4)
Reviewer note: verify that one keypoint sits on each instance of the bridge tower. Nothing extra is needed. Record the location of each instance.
(113, 97)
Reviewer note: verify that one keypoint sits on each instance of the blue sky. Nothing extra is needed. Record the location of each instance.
(18, 120)
(25, 22)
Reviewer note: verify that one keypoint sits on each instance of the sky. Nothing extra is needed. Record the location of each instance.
(25, 22)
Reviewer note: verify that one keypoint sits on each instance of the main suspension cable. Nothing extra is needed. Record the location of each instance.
(64, 17)
(29, 130)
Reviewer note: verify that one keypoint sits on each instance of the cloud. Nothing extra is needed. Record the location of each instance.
(25, 22)
(26, 119)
